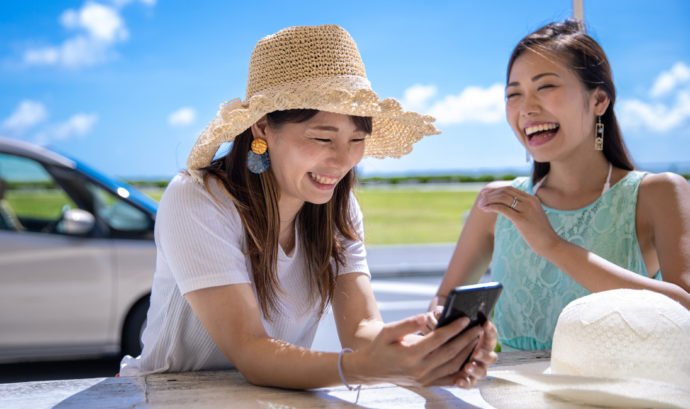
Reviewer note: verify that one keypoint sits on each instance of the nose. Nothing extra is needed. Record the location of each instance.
(342, 156)
(530, 105)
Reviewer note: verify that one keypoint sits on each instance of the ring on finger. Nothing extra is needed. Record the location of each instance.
(515, 201)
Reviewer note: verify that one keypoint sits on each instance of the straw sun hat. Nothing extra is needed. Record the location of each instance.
(620, 348)
(312, 67)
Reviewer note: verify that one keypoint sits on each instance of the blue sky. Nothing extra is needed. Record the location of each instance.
(127, 85)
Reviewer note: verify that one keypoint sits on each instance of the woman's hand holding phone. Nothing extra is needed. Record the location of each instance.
(482, 357)
(475, 302)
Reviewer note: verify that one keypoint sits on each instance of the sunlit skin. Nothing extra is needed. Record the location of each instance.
(542, 93)
(308, 159)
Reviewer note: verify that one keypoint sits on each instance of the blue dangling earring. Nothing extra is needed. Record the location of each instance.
(257, 158)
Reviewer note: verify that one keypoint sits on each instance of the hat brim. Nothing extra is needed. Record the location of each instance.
(532, 385)
(394, 131)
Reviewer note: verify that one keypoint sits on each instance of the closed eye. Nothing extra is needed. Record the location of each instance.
(512, 95)
(545, 86)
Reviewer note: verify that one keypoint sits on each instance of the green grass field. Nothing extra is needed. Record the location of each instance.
(411, 216)
(391, 215)
(408, 215)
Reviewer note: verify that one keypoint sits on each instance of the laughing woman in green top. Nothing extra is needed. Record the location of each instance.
(586, 221)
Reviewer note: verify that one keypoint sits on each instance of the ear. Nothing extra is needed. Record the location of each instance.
(260, 128)
(600, 101)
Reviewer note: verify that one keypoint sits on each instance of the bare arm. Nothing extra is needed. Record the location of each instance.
(591, 271)
(231, 316)
(361, 327)
(355, 311)
(666, 199)
(472, 254)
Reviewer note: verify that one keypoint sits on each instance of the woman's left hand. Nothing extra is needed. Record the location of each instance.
(482, 358)
(525, 211)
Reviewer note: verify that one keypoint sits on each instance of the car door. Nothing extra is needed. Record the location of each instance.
(55, 288)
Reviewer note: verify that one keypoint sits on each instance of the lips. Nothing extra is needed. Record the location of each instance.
(323, 179)
(540, 133)
(532, 130)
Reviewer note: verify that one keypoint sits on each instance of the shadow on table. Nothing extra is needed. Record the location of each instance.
(220, 389)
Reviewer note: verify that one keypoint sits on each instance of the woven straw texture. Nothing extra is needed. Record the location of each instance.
(312, 67)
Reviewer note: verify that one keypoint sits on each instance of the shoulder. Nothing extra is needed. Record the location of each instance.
(187, 198)
(185, 187)
(183, 184)
(667, 184)
(662, 192)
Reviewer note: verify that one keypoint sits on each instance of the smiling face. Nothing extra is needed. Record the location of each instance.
(549, 109)
(309, 158)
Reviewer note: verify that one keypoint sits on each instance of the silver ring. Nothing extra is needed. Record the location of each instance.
(515, 200)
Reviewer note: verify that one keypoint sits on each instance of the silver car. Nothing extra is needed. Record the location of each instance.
(76, 258)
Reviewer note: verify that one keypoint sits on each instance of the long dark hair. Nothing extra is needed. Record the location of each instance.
(573, 47)
(322, 228)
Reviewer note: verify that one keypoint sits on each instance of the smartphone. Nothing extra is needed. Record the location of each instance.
(473, 301)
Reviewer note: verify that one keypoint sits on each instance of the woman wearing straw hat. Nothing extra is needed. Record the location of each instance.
(585, 221)
(253, 246)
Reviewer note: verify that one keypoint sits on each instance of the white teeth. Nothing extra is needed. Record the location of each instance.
(538, 128)
(324, 180)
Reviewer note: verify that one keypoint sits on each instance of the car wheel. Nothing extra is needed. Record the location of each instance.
(133, 328)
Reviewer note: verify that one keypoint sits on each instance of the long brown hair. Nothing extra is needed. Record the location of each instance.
(322, 228)
(573, 47)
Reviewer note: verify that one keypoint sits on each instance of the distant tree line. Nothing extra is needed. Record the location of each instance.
(388, 180)
(366, 181)
(394, 180)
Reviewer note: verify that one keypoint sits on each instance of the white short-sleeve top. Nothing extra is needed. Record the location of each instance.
(200, 243)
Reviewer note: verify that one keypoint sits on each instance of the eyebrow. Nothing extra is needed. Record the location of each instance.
(329, 128)
(325, 128)
(535, 78)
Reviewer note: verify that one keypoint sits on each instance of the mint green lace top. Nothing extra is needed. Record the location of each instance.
(534, 290)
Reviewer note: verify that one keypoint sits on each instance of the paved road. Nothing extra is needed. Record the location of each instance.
(404, 280)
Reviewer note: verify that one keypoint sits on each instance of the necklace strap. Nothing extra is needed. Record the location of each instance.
(538, 185)
(607, 184)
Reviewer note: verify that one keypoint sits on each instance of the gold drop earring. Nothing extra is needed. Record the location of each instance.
(599, 135)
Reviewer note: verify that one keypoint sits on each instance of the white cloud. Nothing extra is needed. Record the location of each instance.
(659, 115)
(416, 96)
(100, 22)
(182, 117)
(98, 28)
(27, 114)
(655, 116)
(473, 104)
(121, 3)
(73, 53)
(668, 80)
(77, 125)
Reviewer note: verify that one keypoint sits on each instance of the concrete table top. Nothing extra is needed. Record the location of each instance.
(228, 389)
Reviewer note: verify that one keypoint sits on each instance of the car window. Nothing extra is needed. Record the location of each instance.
(117, 213)
(30, 198)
